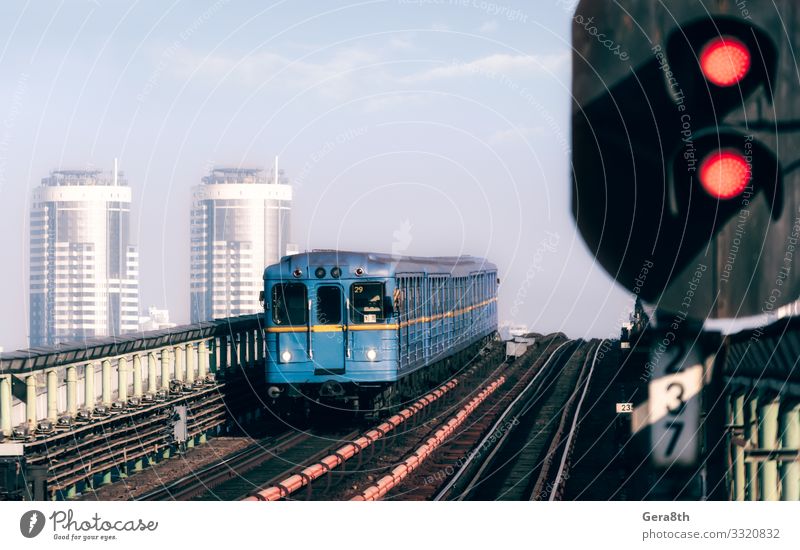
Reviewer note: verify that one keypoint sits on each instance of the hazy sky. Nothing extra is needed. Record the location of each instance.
(418, 127)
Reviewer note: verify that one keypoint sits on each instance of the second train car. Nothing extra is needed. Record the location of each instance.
(369, 330)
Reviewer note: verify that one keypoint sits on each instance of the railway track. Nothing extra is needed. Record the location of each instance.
(525, 455)
(392, 437)
(461, 442)
(566, 443)
(278, 467)
(239, 473)
(552, 484)
(602, 466)
(105, 444)
(452, 464)
(280, 464)
(531, 408)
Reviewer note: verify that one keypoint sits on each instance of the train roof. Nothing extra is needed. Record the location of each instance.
(376, 264)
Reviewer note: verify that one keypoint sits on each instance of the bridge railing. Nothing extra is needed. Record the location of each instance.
(50, 382)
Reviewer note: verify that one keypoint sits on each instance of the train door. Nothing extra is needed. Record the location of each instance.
(327, 334)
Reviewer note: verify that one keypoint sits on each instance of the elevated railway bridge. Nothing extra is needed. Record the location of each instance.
(90, 412)
(80, 417)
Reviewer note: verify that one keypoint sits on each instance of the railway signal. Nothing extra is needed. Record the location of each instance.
(686, 190)
(684, 154)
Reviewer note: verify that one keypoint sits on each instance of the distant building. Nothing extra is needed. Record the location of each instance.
(84, 271)
(156, 319)
(239, 225)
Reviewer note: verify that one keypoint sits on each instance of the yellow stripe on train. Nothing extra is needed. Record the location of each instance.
(392, 326)
(331, 328)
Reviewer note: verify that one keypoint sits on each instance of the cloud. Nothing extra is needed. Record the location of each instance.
(338, 75)
(497, 64)
(402, 43)
(349, 72)
(488, 27)
(393, 101)
(516, 134)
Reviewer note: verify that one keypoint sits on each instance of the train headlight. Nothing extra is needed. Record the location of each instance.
(286, 356)
(372, 354)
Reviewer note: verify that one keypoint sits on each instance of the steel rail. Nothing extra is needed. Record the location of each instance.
(207, 475)
(500, 421)
(562, 466)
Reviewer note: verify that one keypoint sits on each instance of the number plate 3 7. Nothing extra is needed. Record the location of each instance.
(674, 406)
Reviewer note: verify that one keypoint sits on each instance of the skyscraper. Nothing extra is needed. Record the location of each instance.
(84, 271)
(239, 225)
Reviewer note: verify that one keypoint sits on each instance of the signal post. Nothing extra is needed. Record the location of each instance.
(685, 169)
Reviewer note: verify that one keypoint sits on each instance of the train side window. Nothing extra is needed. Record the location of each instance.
(398, 298)
(449, 294)
(412, 300)
(431, 298)
(409, 299)
(421, 297)
(289, 304)
(472, 294)
(403, 299)
(366, 303)
(329, 305)
(452, 293)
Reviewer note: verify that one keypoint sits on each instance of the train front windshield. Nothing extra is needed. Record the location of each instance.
(366, 303)
(289, 304)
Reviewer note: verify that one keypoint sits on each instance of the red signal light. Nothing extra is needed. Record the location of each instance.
(725, 174)
(725, 61)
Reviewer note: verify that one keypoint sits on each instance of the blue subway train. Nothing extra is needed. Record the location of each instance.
(370, 330)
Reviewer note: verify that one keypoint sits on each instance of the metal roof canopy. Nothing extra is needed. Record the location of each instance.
(770, 354)
(93, 349)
